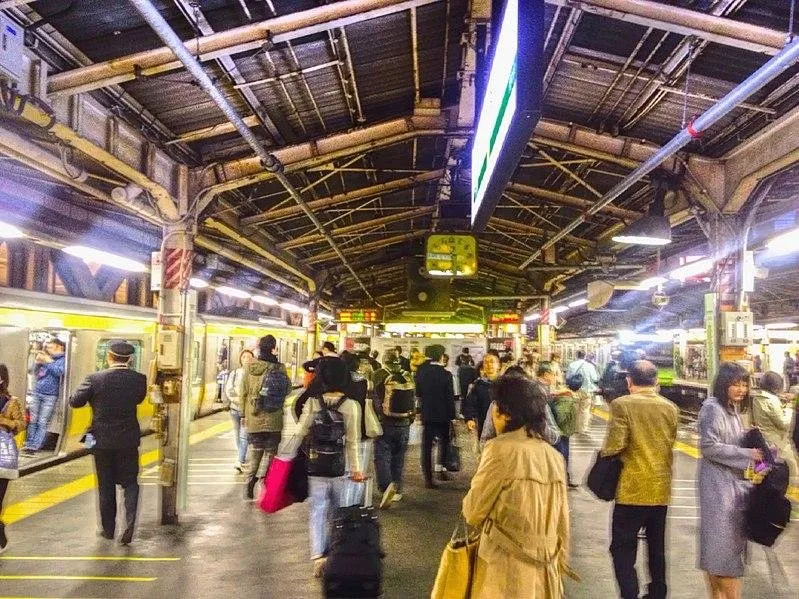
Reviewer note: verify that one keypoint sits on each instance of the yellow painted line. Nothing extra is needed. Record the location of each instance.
(74, 558)
(689, 450)
(38, 503)
(65, 577)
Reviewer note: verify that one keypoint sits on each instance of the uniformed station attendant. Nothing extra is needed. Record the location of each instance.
(113, 395)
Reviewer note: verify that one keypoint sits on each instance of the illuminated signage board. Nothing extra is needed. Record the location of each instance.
(450, 255)
(511, 105)
(504, 318)
(359, 315)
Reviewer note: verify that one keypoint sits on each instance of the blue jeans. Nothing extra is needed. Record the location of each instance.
(239, 436)
(324, 495)
(41, 410)
(390, 451)
(563, 447)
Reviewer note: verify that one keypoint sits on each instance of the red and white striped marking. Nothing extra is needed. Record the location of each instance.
(177, 268)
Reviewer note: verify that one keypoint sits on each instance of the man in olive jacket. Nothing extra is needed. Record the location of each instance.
(642, 432)
(114, 394)
(263, 428)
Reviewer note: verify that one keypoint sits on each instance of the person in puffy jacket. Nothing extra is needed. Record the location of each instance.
(12, 420)
(233, 387)
(50, 365)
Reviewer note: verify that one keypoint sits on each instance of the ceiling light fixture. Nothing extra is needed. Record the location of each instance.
(264, 300)
(289, 307)
(692, 269)
(234, 292)
(654, 228)
(781, 325)
(647, 284)
(578, 302)
(92, 255)
(785, 243)
(198, 283)
(532, 317)
(8, 231)
(559, 309)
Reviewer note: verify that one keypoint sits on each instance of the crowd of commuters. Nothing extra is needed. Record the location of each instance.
(521, 415)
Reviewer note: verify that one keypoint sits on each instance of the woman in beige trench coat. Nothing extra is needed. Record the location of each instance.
(518, 499)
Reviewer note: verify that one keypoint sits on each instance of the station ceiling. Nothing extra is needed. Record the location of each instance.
(621, 83)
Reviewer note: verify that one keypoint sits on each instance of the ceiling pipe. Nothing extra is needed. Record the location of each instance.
(774, 67)
(154, 18)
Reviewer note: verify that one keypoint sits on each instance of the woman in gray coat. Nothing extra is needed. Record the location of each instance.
(723, 491)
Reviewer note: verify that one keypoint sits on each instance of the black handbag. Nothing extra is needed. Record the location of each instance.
(603, 478)
(453, 460)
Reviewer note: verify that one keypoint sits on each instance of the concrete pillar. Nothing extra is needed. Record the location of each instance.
(177, 308)
(545, 328)
(312, 328)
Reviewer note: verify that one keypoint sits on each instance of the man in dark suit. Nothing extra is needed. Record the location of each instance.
(435, 389)
(114, 434)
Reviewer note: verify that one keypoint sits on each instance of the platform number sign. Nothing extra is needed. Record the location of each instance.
(451, 255)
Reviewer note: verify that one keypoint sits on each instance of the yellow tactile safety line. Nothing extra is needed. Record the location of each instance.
(47, 499)
(67, 577)
(689, 450)
(97, 558)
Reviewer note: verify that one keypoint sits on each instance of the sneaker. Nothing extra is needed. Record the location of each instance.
(27, 451)
(319, 567)
(238, 467)
(388, 496)
(444, 476)
(573, 486)
(397, 497)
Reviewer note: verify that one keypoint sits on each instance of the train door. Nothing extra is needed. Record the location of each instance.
(13, 342)
(48, 419)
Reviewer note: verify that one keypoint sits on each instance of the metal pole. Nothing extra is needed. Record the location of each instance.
(774, 67)
(268, 161)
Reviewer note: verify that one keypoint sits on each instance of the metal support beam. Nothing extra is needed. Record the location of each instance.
(675, 19)
(755, 82)
(151, 14)
(526, 229)
(343, 198)
(360, 228)
(248, 171)
(568, 200)
(364, 248)
(196, 17)
(226, 43)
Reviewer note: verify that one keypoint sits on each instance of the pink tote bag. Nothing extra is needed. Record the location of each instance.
(275, 495)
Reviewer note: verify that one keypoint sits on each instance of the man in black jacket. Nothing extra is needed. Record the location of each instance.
(113, 395)
(435, 389)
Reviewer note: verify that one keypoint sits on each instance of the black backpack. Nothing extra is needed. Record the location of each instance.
(769, 511)
(275, 386)
(354, 565)
(326, 455)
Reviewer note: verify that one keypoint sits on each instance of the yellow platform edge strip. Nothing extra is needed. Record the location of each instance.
(73, 558)
(67, 577)
(47, 499)
(689, 450)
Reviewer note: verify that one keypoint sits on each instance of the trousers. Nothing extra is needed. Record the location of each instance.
(628, 520)
(430, 432)
(390, 451)
(41, 411)
(117, 467)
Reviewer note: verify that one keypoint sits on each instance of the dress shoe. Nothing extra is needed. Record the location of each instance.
(249, 490)
(127, 537)
(444, 476)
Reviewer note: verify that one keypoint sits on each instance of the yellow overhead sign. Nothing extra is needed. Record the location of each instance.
(451, 255)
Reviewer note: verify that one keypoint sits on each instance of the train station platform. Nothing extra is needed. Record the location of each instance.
(225, 547)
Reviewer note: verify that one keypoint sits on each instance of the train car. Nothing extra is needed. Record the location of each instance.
(29, 319)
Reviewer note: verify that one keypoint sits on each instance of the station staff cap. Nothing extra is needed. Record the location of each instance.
(120, 348)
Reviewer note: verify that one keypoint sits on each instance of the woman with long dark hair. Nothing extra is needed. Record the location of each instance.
(518, 500)
(12, 419)
(722, 488)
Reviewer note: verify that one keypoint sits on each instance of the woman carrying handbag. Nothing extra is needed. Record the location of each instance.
(12, 422)
(518, 501)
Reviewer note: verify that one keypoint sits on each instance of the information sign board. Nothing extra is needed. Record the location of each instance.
(451, 255)
(359, 315)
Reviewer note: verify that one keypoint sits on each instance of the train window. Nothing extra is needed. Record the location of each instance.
(101, 354)
(196, 370)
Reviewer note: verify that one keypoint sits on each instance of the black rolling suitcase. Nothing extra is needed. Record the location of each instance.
(354, 567)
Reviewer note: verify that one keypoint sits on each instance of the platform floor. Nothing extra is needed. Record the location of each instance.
(226, 548)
